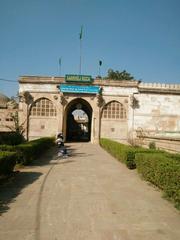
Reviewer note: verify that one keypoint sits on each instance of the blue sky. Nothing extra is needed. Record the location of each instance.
(140, 36)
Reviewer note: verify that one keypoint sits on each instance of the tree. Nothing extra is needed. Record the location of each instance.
(16, 135)
(116, 75)
(18, 128)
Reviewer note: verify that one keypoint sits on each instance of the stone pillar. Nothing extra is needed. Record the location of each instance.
(97, 119)
(95, 126)
(62, 120)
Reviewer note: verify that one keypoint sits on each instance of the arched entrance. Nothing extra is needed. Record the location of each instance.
(78, 120)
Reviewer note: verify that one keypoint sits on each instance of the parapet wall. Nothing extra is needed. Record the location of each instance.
(159, 87)
(169, 144)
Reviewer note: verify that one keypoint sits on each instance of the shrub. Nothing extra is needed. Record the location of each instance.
(158, 167)
(7, 162)
(11, 138)
(130, 163)
(173, 156)
(162, 171)
(8, 148)
(124, 153)
(26, 152)
(139, 150)
(117, 150)
(152, 145)
(31, 150)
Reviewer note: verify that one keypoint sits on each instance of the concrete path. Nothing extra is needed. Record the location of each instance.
(88, 196)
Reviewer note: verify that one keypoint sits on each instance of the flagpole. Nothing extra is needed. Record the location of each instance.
(80, 49)
(60, 67)
(80, 60)
(99, 71)
(100, 63)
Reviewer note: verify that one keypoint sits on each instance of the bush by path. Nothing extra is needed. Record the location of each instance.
(7, 162)
(117, 150)
(29, 151)
(163, 172)
(124, 153)
(158, 167)
(11, 138)
(22, 154)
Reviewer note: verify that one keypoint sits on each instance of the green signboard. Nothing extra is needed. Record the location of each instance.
(78, 78)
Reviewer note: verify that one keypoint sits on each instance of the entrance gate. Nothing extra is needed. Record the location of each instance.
(78, 119)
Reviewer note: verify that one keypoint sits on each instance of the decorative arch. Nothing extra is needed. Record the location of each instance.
(42, 120)
(114, 121)
(114, 110)
(43, 107)
(74, 129)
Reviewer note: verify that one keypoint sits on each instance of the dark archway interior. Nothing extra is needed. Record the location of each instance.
(79, 115)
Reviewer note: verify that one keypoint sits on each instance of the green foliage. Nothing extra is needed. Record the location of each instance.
(8, 148)
(29, 151)
(130, 163)
(18, 128)
(162, 171)
(119, 75)
(122, 152)
(7, 162)
(158, 167)
(116, 149)
(22, 154)
(11, 138)
(173, 156)
(152, 145)
(14, 137)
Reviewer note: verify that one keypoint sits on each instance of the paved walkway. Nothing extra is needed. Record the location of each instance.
(88, 196)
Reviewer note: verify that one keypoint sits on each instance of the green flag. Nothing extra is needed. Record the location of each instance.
(81, 32)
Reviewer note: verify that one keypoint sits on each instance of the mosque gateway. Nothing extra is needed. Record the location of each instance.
(87, 109)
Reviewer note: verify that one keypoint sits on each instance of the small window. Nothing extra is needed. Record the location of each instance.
(114, 110)
(43, 107)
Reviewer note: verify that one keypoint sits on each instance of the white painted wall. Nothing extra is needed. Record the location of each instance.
(158, 112)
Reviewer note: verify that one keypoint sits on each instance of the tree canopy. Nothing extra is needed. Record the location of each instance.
(119, 75)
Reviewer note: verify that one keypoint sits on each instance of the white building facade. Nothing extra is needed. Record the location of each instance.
(126, 111)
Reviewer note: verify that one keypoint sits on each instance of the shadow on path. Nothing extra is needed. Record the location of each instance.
(45, 158)
(73, 152)
(52, 154)
(12, 187)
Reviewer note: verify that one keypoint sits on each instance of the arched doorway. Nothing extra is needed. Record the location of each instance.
(78, 121)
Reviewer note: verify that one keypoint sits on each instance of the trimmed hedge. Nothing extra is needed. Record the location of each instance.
(124, 153)
(11, 138)
(8, 148)
(22, 154)
(7, 162)
(117, 150)
(130, 161)
(162, 171)
(173, 156)
(158, 167)
(31, 150)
